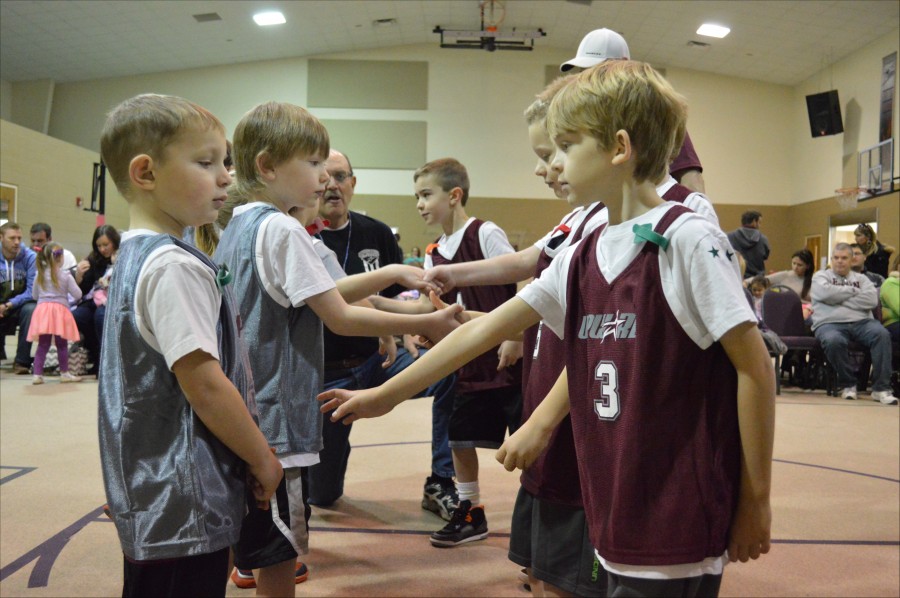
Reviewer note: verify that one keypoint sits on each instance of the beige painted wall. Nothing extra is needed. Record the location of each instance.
(50, 174)
(823, 164)
(475, 109)
(31, 103)
(753, 137)
(47, 189)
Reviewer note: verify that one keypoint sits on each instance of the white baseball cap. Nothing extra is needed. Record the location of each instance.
(597, 46)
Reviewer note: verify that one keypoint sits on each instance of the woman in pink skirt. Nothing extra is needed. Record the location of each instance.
(52, 317)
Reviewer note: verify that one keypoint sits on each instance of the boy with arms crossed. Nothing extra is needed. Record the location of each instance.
(669, 384)
(173, 422)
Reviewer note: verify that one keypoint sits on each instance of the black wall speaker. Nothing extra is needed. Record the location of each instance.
(824, 114)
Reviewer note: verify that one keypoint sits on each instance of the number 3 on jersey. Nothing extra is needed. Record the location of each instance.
(607, 406)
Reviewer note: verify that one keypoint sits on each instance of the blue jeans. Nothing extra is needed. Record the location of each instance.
(21, 317)
(326, 479)
(89, 319)
(870, 333)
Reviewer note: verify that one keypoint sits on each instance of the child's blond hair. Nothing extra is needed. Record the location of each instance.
(45, 259)
(147, 124)
(537, 111)
(448, 173)
(280, 130)
(624, 95)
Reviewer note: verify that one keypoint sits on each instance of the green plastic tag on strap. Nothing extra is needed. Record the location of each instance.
(645, 232)
(223, 276)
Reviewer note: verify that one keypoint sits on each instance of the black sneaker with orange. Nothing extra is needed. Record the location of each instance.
(468, 524)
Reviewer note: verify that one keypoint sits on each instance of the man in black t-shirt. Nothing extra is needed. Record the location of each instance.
(363, 244)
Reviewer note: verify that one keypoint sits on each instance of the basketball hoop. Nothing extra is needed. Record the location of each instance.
(848, 197)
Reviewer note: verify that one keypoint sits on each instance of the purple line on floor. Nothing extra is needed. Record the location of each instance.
(391, 444)
(412, 532)
(20, 471)
(859, 473)
(841, 542)
(47, 552)
(407, 532)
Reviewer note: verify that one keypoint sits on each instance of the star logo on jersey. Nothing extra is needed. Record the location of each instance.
(714, 252)
(729, 255)
(611, 328)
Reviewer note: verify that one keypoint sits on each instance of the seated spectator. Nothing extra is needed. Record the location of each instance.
(17, 272)
(798, 278)
(751, 243)
(41, 234)
(842, 311)
(415, 258)
(878, 256)
(890, 301)
(859, 265)
(92, 275)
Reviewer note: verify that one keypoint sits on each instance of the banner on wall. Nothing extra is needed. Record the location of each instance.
(888, 80)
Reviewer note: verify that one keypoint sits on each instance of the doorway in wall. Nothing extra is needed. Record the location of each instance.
(841, 227)
(814, 244)
(8, 202)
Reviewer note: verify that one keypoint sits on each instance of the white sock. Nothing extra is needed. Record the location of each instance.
(469, 491)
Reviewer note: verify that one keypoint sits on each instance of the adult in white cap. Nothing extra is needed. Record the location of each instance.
(605, 44)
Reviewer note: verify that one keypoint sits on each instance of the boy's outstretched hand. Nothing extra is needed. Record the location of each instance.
(521, 449)
(351, 405)
(443, 322)
(750, 530)
(441, 276)
(412, 278)
(264, 478)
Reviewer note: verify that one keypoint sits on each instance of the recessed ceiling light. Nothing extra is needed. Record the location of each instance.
(711, 30)
(269, 18)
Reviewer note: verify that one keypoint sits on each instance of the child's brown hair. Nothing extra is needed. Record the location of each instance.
(449, 173)
(147, 124)
(624, 95)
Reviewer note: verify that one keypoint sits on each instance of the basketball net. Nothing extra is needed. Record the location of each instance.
(848, 197)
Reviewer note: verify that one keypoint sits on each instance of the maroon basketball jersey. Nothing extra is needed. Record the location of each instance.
(480, 373)
(654, 416)
(554, 474)
(677, 193)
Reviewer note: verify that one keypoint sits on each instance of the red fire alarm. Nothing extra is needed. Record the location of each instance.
(77, 202)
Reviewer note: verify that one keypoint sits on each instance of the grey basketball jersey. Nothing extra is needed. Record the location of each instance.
(285, 344)
(173, 488)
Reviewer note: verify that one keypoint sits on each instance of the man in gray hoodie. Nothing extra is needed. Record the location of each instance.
(751, 244)
(843, 301)
(17, 271)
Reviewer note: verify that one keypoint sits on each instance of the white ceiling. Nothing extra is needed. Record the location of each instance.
(778, 41)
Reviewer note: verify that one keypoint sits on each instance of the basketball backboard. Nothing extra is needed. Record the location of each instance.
(875, 168)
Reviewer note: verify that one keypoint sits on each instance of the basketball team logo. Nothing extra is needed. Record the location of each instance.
(619, 326)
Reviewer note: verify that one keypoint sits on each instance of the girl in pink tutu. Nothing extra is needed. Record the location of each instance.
(52, 317)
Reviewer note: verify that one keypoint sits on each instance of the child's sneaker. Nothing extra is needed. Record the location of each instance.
(885, 397)
(468, 524)
(65, 377)
(37, 379)
(439, 496)
(243, 578)
(849, 393)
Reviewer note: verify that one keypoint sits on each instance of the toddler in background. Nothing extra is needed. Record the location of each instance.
(52, 316)
(758, 286)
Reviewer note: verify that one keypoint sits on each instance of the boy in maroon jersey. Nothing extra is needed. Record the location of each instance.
(487, 395)
(669, 385)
